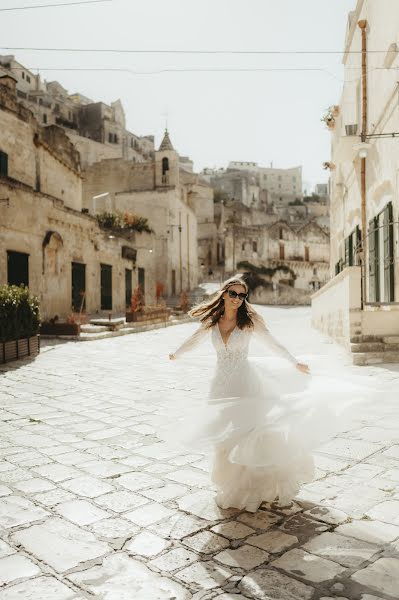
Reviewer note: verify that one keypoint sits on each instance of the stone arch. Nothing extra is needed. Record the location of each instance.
(51, 246)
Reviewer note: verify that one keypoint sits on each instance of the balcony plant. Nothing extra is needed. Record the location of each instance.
(330, 115)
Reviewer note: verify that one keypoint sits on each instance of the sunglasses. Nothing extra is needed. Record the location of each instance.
(234, 294)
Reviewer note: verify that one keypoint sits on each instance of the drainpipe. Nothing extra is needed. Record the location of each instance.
(363, 26)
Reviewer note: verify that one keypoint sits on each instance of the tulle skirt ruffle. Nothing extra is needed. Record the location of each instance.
(261, 428)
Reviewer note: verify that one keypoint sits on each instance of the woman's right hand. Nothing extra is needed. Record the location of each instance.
(303, 368)
(172, 357)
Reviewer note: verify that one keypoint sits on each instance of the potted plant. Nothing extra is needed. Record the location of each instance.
(56, 327)
(19, 323)
(136, 305)
(330, 115)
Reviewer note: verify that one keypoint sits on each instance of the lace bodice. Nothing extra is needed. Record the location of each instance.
(236, 347)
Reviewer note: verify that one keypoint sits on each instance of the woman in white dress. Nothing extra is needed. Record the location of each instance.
(259, 434)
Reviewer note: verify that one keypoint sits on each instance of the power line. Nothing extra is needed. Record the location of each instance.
(166, 51)
(53, 5)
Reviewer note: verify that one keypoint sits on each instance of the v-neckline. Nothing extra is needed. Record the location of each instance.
(221, 336)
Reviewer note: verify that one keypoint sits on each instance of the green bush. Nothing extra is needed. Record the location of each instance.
(19, 313)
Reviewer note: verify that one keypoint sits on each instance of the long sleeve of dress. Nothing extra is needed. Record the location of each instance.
(192, 342)
(264, 335)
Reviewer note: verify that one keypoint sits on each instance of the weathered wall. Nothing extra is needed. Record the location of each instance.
(23, 227)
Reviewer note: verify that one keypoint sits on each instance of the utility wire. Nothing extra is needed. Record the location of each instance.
(53, 5)
(166, 51)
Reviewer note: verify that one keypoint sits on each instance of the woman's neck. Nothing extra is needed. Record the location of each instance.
(230, 314)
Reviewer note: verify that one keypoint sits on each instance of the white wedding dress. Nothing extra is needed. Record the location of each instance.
(260, 429)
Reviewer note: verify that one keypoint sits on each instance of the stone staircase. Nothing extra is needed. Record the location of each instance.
(373, 350)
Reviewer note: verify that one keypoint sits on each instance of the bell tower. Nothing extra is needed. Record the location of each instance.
(166, 164)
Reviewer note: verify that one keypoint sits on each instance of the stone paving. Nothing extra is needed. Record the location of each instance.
(94, 505)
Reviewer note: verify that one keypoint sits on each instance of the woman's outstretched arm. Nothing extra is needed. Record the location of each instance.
(191, 342)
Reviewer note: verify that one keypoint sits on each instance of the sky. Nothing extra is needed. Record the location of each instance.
(216, 110)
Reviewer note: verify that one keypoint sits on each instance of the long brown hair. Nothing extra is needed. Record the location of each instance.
(210, 311)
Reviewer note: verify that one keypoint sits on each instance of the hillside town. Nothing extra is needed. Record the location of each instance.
(199, 300)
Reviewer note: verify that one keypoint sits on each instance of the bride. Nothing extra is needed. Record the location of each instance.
(256, 430)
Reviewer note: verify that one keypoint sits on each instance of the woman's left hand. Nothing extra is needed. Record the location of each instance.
(303, 368)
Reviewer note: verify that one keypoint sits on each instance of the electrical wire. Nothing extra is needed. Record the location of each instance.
(166, 51)
(54, 5)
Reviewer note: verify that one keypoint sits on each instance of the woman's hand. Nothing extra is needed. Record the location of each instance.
(172, 357)
(303, 368)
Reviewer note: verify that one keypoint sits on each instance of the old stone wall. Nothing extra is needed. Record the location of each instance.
(24, 224)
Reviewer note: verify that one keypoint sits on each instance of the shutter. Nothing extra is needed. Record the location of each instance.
(372, 290)
(357, 245)
(3, 164)
(389, 281)
(346, 256)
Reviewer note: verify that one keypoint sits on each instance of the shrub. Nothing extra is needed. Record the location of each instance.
(19, 313)
(123, 222)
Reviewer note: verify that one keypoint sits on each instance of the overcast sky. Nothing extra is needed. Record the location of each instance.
(213, 117)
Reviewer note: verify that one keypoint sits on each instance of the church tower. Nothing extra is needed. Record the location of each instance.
(166, 164)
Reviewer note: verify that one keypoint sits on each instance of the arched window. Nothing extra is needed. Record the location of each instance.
(165, 165)
(165, 170)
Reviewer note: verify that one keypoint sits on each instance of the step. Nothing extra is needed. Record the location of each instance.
(359, 339)
(391, 339)
(89, 328)
(375, 358)
(367, 347)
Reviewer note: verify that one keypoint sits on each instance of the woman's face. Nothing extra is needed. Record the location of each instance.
(234, 302)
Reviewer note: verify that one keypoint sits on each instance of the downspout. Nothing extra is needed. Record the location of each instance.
(363, 191)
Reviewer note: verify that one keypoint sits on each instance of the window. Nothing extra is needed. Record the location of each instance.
(254, 246)
(17, 268)
(78, 286)
(3, 164)
(243, 247)
(165, 170)
(28, 78)
(141, 279)
(106, 287)
(45, 118)
(56, 108)
(282, 251)
(306, 253)
(280, 233)
(23, 75)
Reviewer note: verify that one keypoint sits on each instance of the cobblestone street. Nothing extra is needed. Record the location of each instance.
(93, 504)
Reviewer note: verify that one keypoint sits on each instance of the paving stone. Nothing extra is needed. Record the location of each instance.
(73, 458)
(189, 477)
(137, 461)
(273, 541)
(123, 578)
(369, 597)
(307, 566)
(332, 516)
(104, 469)
(56, 472)
(5, 491)
(233, 530)
(364, 471)
(206, 542)
(345, 551)
(245, 557)
(374, 532)
(138, 481)
(353, 449)
(202, 504)
(265, 584)
(260, 519)
(388, 512)
(15, 475)
(205, 575)
(302, 527)
(40, 588)
(159, 451)
(112, 529)
(15, 511)
(121, 501)
(54, 497)
(5, 549)
(16, 567)
(169, 491)
(81, 512)
(382, 576)
(357, 500)
(174, 559)
(146, 544)
(88, 487)
(230, 597)
(60, 544)
(149, 514)
(179, 526)
(34, 485)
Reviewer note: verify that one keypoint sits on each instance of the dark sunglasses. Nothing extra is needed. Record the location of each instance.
(234, 294)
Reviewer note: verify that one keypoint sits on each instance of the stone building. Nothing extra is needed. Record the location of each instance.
(360, 303)
(98, 131)
(174, 199)
(46, 241)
